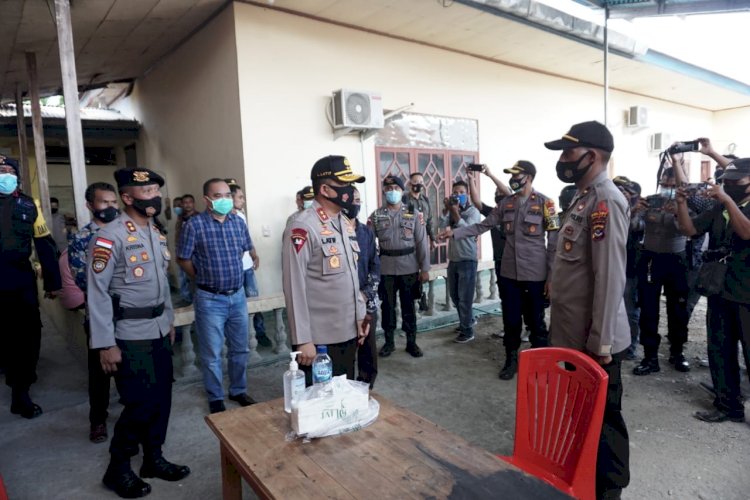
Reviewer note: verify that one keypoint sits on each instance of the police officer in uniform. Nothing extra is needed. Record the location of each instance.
(663, 264)
(131, 320)
(319, 271)
(588, 284)
(526, 217)
(404, 263)
(21, 222)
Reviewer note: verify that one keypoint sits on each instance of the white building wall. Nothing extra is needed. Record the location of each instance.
(732, 127)
(288, 66)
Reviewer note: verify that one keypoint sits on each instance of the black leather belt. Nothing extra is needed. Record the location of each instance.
(211, 289)
(396, 253)
(139, 312)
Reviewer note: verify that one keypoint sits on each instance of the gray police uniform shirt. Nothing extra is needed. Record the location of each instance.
(466, 248)
(421, 205)
(588, 276)
(661, 232)
(526, 257)
(401, 229)
(321, 286)
(131, 261)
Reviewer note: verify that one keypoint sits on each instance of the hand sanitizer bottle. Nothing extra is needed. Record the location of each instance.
(294, 382)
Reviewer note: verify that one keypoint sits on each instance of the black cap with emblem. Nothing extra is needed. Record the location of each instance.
(522, 167)
(4, 160)
(736, 170)
(137, 177)
(335, 167)
(392, 180)
(587, 134)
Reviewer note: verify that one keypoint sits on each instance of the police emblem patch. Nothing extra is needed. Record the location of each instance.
(98, 265)
(599, 219)
(334, 262)
(568, 246)
(299, 238)
(138, 272)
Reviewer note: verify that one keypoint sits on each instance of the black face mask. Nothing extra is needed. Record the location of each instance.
(498, 198)
(141, 206)
(54, 210)
(516, 185)
(737, 193)
(345, 198)
(568, 171)
(352, 212)
(416, 188)
(107, 215)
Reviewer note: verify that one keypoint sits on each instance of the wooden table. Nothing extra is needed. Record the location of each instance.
(401, 455)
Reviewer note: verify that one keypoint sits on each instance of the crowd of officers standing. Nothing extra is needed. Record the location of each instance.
(601, 263)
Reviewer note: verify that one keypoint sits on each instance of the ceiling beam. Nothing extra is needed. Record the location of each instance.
(629, 9)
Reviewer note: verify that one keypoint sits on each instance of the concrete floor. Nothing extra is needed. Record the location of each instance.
(454, 385)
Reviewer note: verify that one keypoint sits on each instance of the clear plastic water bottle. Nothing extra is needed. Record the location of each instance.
(322, 367)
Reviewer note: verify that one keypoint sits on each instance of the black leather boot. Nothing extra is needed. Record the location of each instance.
(511, 365)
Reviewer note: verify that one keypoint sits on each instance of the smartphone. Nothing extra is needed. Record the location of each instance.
(476, 167)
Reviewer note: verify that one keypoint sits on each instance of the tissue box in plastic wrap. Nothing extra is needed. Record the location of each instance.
(325, 407)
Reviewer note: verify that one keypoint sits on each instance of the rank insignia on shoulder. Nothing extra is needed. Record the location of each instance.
(599, 218)
(132, 238)
(322, 215)
(130, 226)
(299, 238)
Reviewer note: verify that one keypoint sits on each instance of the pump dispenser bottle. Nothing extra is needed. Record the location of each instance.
(294, 382)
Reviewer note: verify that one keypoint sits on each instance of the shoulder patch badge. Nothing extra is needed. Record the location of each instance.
(599, 219)
(322, 215)
(299, 238)
(101, 254)
(130, 226)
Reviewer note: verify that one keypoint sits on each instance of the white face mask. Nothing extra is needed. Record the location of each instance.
(306, 203)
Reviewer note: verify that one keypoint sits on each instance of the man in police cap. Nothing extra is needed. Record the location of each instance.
(21, 222)
(588, 284)
(319, 271)
(304, 199)
(404, 263)
(526, 217)
(131, 320)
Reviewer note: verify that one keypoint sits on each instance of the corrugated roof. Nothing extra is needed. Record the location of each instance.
(58, 112)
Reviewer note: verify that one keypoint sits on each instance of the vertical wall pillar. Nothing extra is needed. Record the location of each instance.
(22, 142)
(36, 124)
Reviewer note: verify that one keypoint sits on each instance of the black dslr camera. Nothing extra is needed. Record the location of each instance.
(695, 188)
(684, 147)
(453, 200)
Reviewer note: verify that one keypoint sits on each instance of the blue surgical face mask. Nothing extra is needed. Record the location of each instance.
(393, 197)
(667, 191)
(462, 199)
(177, 211)
(8, 183)
(306, 203)
(222, 206)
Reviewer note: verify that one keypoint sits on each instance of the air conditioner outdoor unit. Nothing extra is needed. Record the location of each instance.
(637, 116)
(659, 142)
(357, 109)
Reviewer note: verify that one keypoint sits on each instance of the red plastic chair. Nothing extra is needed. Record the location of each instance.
(3, 492)
(559, 412)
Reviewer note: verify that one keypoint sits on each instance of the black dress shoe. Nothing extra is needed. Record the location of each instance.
(126, 484)
(647, 366)
(386, 350)
(216, 406)
(414, 350)
(162, 469)
(680, 363)
(243, 399)
(98, 433)
(26, 410)
(716, 416)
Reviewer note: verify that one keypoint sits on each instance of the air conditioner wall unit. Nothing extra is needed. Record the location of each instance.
(357, 109)
(659, 142)
(637, 116)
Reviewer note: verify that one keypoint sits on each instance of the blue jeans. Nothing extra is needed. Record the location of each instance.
(634, 312)
(462, 279)
(185, 286)
(217, 316)
(251, 290)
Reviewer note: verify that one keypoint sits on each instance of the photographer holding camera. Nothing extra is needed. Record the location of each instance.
(663, 265)
(728, 318)
(462, 258)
